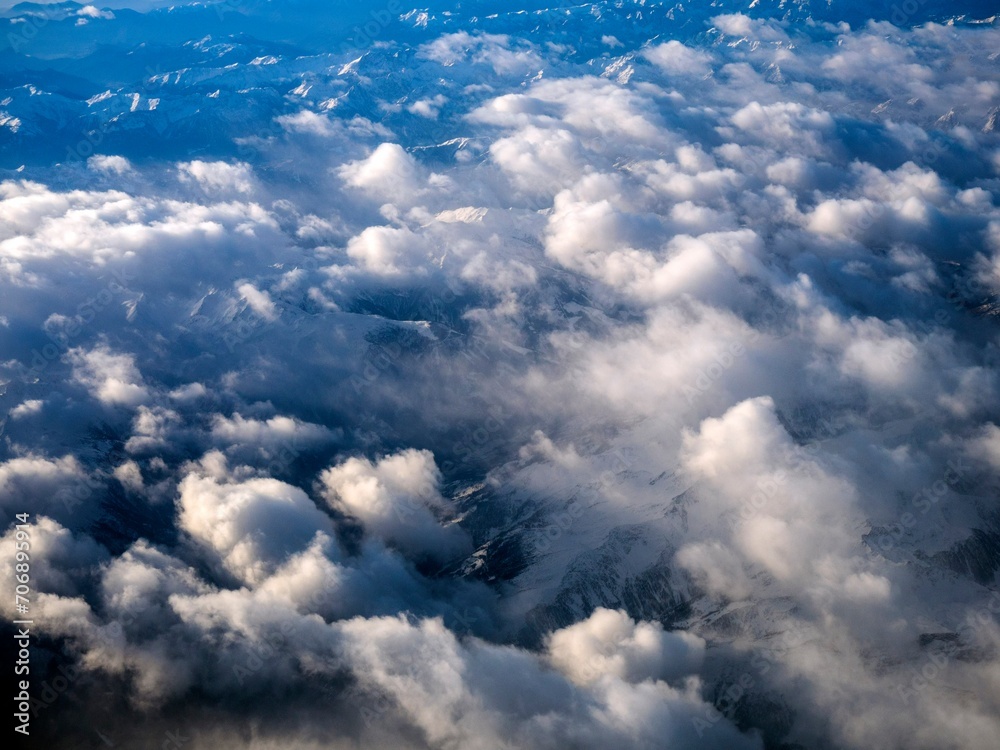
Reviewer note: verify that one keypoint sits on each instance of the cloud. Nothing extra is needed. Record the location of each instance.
(113, 379)
(270, 433)
(311, 123)
(499, 51)
(218, 177)
(579, 401)
(60, 562)
(808, 131)
(389, 251)
(27, 408)
(482, 694)
(986, 445)
(118, 165)
(593, 107)
(259, 301)
(397, 499)
(539, 161)
(252, 525)
(430, 107)
(90, 11)
(49, 484)
(391, 175)
(611, 643)
(307, 122)
(676, 58)
(788, 515)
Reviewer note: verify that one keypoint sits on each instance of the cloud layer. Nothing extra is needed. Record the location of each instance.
(522, 401)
